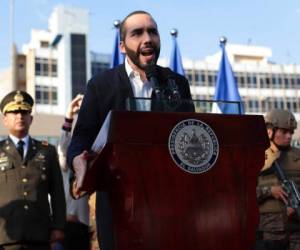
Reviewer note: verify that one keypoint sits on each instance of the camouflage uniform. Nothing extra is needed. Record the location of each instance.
(278, 231)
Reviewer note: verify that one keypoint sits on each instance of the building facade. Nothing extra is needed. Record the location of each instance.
(57, 60)
(262, 84)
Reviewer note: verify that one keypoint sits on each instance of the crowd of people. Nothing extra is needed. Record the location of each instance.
(34, 175)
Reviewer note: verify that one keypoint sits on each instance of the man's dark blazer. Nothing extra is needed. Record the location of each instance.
(109, 91)
(25, 214)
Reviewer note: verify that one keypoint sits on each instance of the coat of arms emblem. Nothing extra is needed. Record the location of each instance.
(193, 146)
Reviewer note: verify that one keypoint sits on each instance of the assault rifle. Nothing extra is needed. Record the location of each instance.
(290, 188)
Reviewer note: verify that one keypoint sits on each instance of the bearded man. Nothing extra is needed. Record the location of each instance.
(140, 42)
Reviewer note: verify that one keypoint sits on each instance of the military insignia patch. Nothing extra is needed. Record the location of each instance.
(4, 163)
(3, 158)
(193, 146)
(40, 158)
(18, 97)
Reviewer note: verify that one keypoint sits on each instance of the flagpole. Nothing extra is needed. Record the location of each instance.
(117, 56)
(117, 24)
(176, 60)
(12, 44)
(223, 40)
(174, 32)
(227, 97)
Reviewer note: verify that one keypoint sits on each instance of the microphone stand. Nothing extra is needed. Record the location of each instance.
(151, 74)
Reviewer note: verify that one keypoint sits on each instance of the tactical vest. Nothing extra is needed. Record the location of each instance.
(290, 162)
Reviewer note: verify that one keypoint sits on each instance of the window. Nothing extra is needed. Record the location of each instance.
(251, 80)
(279, 103)
(252, 105)
(298, 80)
(212, 78)
(203, 78)
(42, 66)
(286, 82)
(189, 76)
(293, 83)
(276, 81)
(44, 44)
(262, 80)
(78, 63)
(46, 95)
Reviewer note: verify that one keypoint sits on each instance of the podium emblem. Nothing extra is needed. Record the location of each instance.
(193, 146)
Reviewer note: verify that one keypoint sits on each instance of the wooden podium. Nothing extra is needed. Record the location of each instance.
(158, 206)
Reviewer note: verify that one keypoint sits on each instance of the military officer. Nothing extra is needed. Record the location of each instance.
(278, 224)
(30, 177)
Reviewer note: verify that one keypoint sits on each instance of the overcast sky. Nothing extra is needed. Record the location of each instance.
(270, 23)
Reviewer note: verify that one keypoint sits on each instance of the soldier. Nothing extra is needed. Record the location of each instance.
(278, 224)
(29, 174)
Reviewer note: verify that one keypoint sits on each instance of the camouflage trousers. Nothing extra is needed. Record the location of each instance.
(292, 240)
(272, 226)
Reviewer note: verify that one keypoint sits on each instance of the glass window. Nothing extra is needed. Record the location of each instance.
(286, 82)
(46, 95)
(197, 77)
(203, 78)
(189, 76)
(42, 66)
(44, 44)
(298, 80)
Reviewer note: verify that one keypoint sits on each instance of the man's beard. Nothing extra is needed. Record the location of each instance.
(134, 57)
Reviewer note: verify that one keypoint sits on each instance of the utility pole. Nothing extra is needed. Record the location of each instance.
(12, 45)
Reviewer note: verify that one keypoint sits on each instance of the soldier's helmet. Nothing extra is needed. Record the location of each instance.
(280, 118)
(16, 100)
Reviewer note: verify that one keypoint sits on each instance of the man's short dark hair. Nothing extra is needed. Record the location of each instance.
(122, 25)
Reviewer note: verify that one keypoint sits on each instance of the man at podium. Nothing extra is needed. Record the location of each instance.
(140, 42)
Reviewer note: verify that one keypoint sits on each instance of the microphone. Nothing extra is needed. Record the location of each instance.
(172, 86)
(173, 89)
(151, 75)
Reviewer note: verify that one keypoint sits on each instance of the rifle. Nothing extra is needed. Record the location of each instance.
(290, 187)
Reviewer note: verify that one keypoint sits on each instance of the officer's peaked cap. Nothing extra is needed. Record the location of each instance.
(16, 100)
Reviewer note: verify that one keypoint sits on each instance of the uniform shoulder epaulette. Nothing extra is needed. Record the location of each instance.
(4, 142)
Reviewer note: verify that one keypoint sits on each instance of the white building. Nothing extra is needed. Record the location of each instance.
(262, 84)
(57, 60)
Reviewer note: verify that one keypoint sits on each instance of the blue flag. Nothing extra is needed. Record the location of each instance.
(117, 56)
(226, 87)
(176, 61)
